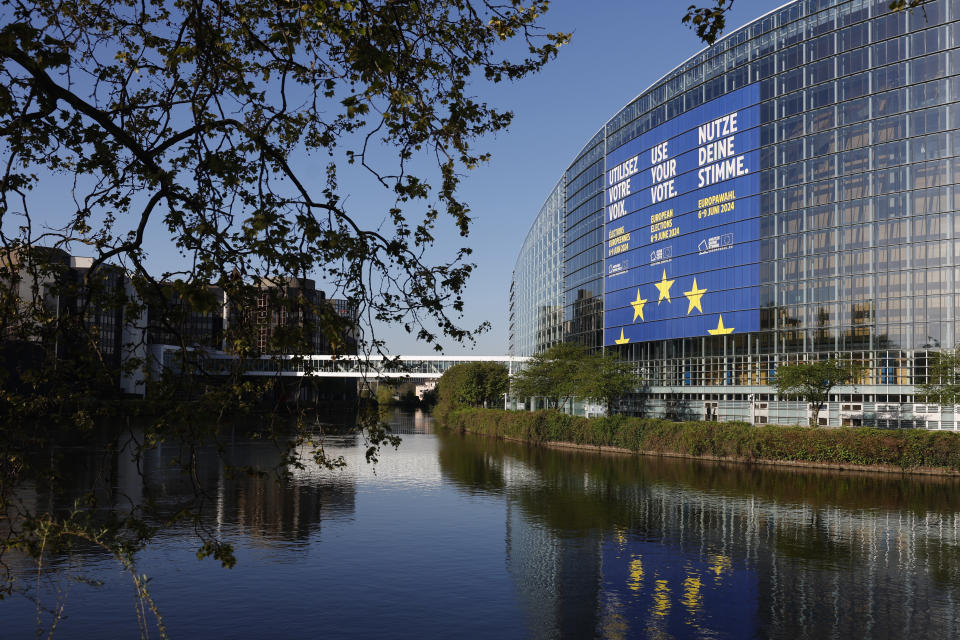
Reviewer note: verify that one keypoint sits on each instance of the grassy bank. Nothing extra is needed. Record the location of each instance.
(911, 450)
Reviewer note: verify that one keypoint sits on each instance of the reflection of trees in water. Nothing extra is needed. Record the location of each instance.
(237, 503)
(549, 572)
(472, 468)
(241, 489)
(825, 554)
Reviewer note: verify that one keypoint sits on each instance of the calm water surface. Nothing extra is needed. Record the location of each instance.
(461, 536)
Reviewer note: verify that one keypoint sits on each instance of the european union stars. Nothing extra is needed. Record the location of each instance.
(694, 302)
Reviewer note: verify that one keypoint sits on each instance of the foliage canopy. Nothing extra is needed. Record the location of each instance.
(472, 384)
(813, 381)
(567, 370)
(205, 120)
(203, 124)
(943, 383)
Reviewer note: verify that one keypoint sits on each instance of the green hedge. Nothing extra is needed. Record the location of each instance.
(905, 449)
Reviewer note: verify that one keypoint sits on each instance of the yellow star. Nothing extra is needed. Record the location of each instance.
(694, 296)
(638, 307)
(622, 340)
(720, 330)
(664, 288)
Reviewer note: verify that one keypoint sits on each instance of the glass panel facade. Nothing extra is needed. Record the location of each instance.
(536, 290)
(583, 247)
(858, 192)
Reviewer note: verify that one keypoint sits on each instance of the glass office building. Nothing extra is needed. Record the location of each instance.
(536, 292)
(790, 193)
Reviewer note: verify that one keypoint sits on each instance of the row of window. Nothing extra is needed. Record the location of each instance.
(756, 40)
(660, 104)
(865, 288)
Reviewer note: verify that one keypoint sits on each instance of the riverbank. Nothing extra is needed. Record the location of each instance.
(863, 449)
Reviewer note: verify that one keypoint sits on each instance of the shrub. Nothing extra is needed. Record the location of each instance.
(862, 446)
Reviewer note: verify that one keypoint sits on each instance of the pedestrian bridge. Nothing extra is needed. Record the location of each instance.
(421, 367)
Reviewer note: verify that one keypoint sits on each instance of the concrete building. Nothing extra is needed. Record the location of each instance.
(49, 295)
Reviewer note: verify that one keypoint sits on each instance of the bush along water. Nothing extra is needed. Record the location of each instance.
(908, 449)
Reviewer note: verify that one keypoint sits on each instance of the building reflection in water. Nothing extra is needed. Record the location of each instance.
(237, 505)
(402, 422)
(618, 547)
(627, 547)
(234, 485)
(238, 490)
(242, 492)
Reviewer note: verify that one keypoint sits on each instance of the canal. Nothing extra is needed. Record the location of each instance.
(461, 536)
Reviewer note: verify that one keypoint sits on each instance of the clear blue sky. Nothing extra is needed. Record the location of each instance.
(619, 48)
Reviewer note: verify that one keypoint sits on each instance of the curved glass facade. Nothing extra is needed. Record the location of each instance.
(536, 292)
(789, 193)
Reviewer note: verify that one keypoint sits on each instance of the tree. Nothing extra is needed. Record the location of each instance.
(386, 394)
(553, 374)
(709, 21)
(606, 378)
(190, 118)
(204, 123)
(813, 381)
(568, 370)
(942, 384)
(495, 379)
(472, 384)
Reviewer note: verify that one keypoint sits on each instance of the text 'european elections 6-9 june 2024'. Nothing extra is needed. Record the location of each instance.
(682, 226)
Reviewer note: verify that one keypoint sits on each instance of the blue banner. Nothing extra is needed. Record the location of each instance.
(682, 226)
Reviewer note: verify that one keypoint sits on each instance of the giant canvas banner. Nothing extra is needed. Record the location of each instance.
(682, 228)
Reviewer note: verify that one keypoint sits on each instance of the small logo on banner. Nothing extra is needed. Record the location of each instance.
(616, 268)
(661, 255)
(716, 243)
